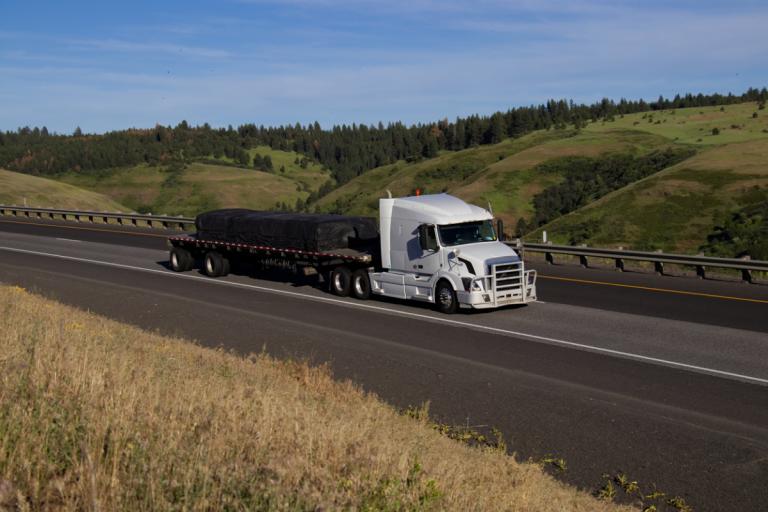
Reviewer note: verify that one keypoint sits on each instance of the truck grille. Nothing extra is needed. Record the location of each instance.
(507, 276)
(511, 283)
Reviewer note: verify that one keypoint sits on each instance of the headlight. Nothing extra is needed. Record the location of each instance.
(477, 286)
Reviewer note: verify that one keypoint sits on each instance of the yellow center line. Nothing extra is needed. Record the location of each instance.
(82, 228)
(651, 289)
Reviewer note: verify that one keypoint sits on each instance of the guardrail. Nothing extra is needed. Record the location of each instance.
(659, 259)
(123, 219)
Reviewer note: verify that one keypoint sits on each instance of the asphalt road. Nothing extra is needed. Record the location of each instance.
(665, 379)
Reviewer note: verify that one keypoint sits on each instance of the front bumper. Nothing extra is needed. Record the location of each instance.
(491, 295)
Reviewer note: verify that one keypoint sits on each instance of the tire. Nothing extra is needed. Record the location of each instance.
(181, 260)
(445, 298)
(361, 284)
(215, 265)
(341, 281)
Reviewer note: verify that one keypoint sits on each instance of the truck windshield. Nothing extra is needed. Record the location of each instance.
(467, 233)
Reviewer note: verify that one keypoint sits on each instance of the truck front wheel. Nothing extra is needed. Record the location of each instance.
(445, 298)
(181, 260)
(215, 265)
(341, 281)
(361, 284)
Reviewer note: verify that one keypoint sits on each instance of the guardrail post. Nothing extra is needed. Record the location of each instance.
(620, 264)
(583, 261)
(549, 258)
(658, 266)
(701, 272)
(746, 274)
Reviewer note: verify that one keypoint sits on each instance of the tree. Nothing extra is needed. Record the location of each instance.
(522, 228)
(78, 132)
(243, 158)
(715, 131)
(497, 130)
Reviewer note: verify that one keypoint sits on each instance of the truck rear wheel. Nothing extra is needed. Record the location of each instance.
(445, 298)
(361, 284)
(215, 265)
(181, 260)
(341, 281)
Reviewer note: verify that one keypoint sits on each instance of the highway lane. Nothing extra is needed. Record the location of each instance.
(677, 298)
(693, 434)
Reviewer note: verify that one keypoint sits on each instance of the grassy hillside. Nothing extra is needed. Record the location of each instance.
(288, 164)
(677, 208)
(694, 125)
(103, 416)
(15, 188)
(199, 187)
(503, 174)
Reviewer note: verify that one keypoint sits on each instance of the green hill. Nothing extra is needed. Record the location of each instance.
(187, 190)
(674, 209)
(504, 174)
(18, 189)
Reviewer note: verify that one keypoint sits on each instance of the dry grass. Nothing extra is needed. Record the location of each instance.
(96, 415)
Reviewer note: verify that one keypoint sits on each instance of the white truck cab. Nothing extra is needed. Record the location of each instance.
(439, 249)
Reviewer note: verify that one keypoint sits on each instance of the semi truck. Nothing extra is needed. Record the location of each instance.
(431, 248)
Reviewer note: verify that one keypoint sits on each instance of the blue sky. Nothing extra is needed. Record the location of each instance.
(106, 65)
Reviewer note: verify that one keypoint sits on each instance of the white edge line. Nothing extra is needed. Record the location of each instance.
(507, 332)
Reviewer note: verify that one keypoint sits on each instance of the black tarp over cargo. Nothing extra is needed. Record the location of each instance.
(307, 232)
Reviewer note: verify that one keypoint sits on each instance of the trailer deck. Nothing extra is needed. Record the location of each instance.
(346, 255)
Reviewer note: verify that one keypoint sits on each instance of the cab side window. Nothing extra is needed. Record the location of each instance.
(428, 237)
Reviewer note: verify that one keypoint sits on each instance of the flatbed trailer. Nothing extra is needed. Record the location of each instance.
(217, 256)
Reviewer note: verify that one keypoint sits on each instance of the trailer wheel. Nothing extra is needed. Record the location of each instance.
(361, 284)
(341, 281)
(181, 260)
(215, 265)
(445, 298)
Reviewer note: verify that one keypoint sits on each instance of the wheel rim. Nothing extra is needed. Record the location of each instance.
(174, 260)
(446, 297)
(360, 286)
(209, 265)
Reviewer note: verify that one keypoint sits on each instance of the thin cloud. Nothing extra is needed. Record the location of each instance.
(117, 45)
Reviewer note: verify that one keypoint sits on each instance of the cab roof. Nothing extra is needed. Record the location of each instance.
(438, 209)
